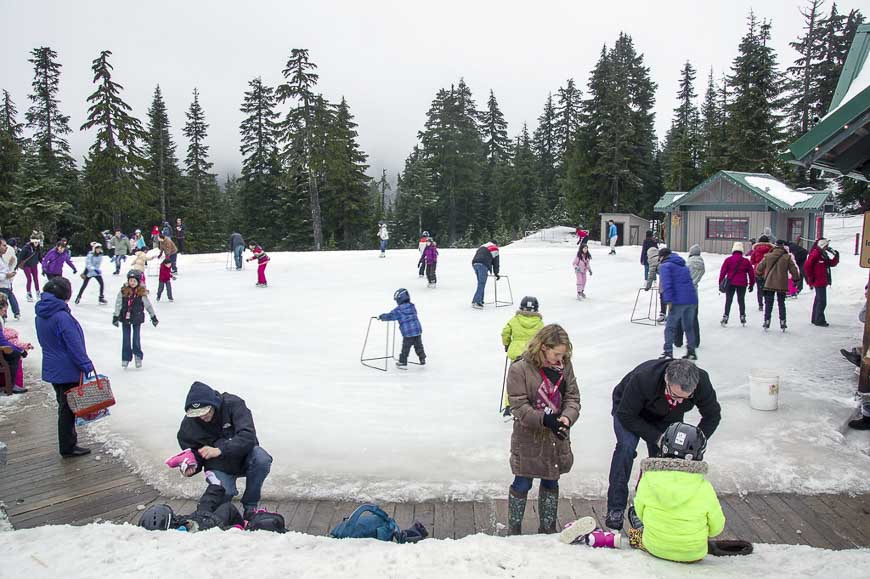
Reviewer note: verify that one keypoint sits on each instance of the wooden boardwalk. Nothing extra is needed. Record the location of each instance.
(40, 488)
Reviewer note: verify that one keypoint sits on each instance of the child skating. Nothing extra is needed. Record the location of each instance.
(165, 277)
(93, 270)
(262, 261)
(430, 260)
(582, 267)
(130, 307)
(516, 334)
(409, 324)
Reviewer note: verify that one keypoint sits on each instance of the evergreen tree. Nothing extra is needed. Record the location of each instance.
(11, 142)
(681, 150)
(567, 121)
(837, 32)
(712, 132)
(383, 185)
(415, 197)
(498, 151)
(205, 212)
(163, 175)
(297, 134)
(521, 185)
(43, 117)
(754, 133)
(114, 167)
(546, 149)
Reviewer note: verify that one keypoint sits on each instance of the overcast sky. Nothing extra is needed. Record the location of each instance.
(387, 58)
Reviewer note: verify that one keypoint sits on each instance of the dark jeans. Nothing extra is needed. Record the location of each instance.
(13, 301)
(129, 347)
(768, 304)
(430, 272)
(67, 439)
(481, 272)
(179, 243)
(257, 466)
(407, 342)
(99, 279)
(679, 331)
(168, 286)
(422, 267)
(119, 259)
(237, 254)
(523, 484)
(741, 299)
(759, 290)
(681, 314)
(174, 261)
(819, 304)
(621, 463)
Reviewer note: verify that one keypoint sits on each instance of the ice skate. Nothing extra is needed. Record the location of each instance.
(724, 320)
(782, 325)
(766, 325)
(583, 295)
(78, 300)
(690, 354)
(29, 297)
(577, 530)
(668, 355)
(476, 306)
(661, 319)
(402, 365)
(138, 362)
(102, 301)
(743, 320)
(614, 519)
(125, 363)
(579, 296)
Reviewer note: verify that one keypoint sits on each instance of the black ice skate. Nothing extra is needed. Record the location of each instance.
(743, 320)
(724, 320)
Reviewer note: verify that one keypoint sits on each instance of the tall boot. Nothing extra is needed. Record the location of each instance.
(548, 505)
(516, 510)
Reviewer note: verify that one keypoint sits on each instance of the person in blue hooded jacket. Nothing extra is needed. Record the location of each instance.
(409, 324)
(219, 429)
(679, 293)
(64, 357)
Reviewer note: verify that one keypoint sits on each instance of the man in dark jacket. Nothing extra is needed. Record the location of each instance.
(654, 395)
(648, 241)
(220, 430)
(237, 246)
(678, 290)
(800, 253)
(485, 260)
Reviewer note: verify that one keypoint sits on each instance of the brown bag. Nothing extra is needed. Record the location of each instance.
(90, 396)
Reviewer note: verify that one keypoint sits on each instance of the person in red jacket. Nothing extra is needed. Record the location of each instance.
(817, 271)
(741, 274)
(262, 261)
(165, 277)
(759, 250)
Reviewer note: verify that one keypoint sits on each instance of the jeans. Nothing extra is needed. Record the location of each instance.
(383, 245)
(679, 330)
(257, 465)
(759, 288)
(768, 304)
(740, 290)
(523, 484)
(481, 271)
(179, 243)
(681, 314)
(621, 463)
(237, 254)
(407, 342)
(161, 286)
(67, 439)
(13, 301)
(819, 304)
(645, 271)
(119, 259)
(32, 274)
(174, 260)
(88, 279)
(422, 268)
(128, 349)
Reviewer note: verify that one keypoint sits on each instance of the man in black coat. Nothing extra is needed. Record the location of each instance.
(648, 241)
(800, 253)
(648, 399)
(220, 430)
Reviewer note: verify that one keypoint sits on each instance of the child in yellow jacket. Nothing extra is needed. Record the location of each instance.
(517, 332)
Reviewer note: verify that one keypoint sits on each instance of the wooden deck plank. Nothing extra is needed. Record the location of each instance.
(463, 519)
(846, 511)
(323, 514)
(485, 517)
(302, 517)
(599, 509)
(425, 513)
(760, 528)
(773, 520)
(501, 517)
(736, 523)
(804, 528)
(404, 515)
(443, 520)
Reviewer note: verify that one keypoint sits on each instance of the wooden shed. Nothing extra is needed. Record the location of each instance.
(629, 227)
(732, 206)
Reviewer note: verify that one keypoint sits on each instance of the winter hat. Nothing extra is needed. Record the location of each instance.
(695, 250)
(59, 287)
(738, 246)
(764, 239)
(780, 242)
(823, 243)
(664, 252)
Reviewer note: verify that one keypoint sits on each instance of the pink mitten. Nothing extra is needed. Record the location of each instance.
(182, 460)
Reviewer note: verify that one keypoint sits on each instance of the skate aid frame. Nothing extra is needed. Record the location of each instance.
(651, 316)
(389, 347)
(501, 303)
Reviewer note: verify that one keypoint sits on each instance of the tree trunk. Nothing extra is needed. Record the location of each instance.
(316, 226)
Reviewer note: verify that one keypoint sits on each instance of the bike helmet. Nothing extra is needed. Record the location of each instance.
(157, 518)
(529, 304)
(402, 296)
(685, 441)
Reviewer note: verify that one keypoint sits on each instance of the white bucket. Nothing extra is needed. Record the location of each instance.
(763, 389)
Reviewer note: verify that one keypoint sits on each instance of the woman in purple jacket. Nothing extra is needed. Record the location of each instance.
(52, 263)
(741, 275)
(64, 357)
(430, 258)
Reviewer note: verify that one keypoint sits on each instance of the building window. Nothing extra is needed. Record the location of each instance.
(795, 228)
(727, 228)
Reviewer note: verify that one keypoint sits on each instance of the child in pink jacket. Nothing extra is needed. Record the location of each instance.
(581, 268)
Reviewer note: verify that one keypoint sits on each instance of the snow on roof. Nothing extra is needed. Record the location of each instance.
(677, 197)
(779, 190)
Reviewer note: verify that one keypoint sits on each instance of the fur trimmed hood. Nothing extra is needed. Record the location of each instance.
(140, 291)
(675, 464)
(529, 314)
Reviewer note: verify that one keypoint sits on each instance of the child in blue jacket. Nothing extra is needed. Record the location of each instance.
(409, 324)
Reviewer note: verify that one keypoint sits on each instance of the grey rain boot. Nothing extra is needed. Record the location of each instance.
(548, 505)
(516, 510)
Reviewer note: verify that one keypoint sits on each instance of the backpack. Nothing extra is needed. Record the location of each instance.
(367, 522)
(266, 521)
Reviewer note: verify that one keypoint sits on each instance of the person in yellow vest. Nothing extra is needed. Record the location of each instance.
(517, 332)
(676, 509)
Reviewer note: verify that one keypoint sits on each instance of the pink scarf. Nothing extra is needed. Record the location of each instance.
(549, 395)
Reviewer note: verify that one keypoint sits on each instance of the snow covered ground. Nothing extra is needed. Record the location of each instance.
(126, 551)
(337, 429)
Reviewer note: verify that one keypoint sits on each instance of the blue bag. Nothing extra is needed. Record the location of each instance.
(367, 522)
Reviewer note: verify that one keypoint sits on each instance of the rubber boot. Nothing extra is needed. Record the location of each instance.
(548, 505)
(516, 510)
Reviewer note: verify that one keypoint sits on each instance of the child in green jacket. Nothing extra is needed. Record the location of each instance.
(517, 332)
(676, 509)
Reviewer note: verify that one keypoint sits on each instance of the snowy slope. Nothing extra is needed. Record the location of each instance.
(338, 429)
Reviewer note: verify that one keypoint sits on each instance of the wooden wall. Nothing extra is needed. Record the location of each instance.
(696, 224)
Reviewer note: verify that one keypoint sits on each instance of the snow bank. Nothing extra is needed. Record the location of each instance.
(779, 190)
(126, 551)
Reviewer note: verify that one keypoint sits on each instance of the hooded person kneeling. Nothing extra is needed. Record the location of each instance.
(676, 509)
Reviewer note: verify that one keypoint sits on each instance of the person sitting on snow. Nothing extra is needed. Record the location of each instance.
(676, 509)
(220, 431)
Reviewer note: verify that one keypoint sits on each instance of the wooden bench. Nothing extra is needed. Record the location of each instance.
(6, 371)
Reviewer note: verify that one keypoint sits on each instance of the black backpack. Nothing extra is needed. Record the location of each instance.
(266, 521)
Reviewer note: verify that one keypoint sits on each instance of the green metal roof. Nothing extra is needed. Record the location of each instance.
(840, 141)
(776, 195)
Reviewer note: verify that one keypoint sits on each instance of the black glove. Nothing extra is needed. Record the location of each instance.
(497, 277)
(752, 285)
(115, 320)
(551, 421)
(381, 317)
(23, 353)
(75, 270)
(154, 321)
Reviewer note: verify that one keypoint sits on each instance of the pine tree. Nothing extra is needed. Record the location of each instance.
(43, 117)
(205, 211)
(681, 150)
(383, 185)
(498, 152)
(754, 132)
(521, 185)
(415, 197)
(546, 150)
(567, 121)
(296, 130)
(114, 167)
(163, 175)
(11, 143)
(196, 161)
(712, 132)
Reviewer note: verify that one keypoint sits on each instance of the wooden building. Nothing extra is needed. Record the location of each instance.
(629, 227)
(731, 206)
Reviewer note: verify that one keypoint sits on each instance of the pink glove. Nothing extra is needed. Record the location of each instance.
(182, 460)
